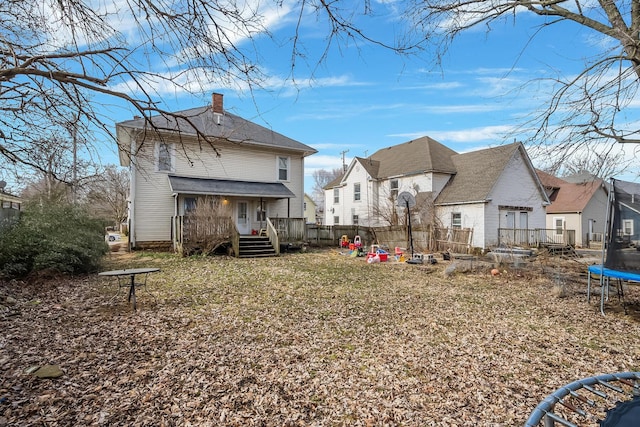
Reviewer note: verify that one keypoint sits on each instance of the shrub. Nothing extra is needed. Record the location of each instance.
(53, 237)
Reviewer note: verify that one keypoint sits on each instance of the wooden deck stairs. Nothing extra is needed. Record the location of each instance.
(255, 247)
(562, 250)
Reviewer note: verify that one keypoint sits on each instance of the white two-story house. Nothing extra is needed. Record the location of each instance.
(207, 151)
(484, 190)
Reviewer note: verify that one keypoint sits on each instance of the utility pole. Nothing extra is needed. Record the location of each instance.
(344, 165)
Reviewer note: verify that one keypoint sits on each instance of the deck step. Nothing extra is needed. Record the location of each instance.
(255, 247)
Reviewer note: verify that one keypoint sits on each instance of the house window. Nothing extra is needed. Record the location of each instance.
(336, 220)
(336, 195)
(164, 156)
(627, 227)
(354, 219)
(558, 224)
(189, 204)
(356, 192)
(304, 206)
(283, 168)
(456, 220)
(393, 188)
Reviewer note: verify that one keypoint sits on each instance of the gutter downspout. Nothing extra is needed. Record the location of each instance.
(132, 195)
(174, 230)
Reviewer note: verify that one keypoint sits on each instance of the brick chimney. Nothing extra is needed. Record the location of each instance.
(218, 103)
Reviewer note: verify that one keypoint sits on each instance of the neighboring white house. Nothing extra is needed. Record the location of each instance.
(10, 205)
(484, 190)
(257, 172)
(580, 205)
(309, 209)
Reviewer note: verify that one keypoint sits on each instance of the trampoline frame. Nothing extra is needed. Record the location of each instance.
(604, 272)
(545, 409)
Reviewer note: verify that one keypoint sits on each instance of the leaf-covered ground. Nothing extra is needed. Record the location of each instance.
(311, 339)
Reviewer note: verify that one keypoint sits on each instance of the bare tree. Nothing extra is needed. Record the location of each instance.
(586, 108)
(58, 175)
(107, 194)
(55, 56)
(322, 177)
(205, 226)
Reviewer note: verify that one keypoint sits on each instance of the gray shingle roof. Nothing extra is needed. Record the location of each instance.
(226, 126)
(226, 187)
(477, 173)
(416, 156)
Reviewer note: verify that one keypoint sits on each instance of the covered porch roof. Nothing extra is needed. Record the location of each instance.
(227, 187)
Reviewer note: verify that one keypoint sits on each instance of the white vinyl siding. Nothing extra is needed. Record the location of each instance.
(155, 205)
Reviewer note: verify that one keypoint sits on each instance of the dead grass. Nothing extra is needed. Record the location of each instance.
(307, 339)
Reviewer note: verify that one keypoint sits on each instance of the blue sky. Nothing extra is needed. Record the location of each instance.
(365, 98)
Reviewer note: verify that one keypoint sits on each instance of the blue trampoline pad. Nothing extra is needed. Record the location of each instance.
(617, 274)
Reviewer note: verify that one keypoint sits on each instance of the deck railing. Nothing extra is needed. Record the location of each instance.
(279, 230)
(536, 237)
(290, 230)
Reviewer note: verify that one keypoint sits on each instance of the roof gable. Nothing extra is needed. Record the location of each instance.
(204, 121)
(412, 157)
(570, 194)
(479, 171)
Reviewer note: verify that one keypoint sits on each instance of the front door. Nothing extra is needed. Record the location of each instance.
(242, 217)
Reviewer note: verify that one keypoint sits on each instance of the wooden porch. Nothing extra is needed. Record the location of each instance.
(205, 235)
(538, 237)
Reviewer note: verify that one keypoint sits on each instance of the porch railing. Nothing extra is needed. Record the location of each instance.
(272, 234)
(290, 230)
(537, 237)
(189, 232)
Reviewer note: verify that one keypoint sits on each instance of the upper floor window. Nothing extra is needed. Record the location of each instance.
(336, 220)
(356, 192)
(354, 219)
(283, 168)
(336, 195)
(393, 188)
(627, 227)
(164, 157)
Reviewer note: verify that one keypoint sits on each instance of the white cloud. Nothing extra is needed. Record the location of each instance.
(493, 134)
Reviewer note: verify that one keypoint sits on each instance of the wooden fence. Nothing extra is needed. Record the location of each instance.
(423, 239)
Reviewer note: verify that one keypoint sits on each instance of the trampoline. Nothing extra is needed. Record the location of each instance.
(605, 274)
(612, 400)
(621, 249)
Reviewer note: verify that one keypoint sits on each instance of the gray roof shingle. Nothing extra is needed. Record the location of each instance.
(416, 156)
(226, 126)
(477, 173)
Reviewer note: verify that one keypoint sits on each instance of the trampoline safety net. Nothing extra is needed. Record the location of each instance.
(623, 235)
